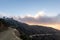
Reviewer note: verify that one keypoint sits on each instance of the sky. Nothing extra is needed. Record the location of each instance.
(25, 7)
(45, 12)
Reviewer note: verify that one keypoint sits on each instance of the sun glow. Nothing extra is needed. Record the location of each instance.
(55, 26)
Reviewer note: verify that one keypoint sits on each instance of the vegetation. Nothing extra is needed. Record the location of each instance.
(27, 30)
(3, 25)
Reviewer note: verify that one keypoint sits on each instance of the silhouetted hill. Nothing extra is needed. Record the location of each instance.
(34, 32)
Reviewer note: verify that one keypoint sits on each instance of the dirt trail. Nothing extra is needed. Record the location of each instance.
(8, 35)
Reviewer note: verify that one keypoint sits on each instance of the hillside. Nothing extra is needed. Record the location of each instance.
(33, 32)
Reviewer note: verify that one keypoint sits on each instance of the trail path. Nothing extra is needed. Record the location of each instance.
(8, 35)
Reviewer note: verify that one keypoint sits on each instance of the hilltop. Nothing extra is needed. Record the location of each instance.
(33, 32)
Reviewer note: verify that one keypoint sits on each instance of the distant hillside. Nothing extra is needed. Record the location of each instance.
(33, 31)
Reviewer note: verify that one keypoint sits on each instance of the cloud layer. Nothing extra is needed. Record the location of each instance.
(40, 18)
(44, 20)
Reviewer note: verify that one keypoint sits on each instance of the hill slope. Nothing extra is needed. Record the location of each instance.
(31, 31)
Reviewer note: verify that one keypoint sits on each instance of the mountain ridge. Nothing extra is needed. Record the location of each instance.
(27, 30)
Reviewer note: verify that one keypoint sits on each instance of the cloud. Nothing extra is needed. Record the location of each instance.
(41, 13)
(40, 18)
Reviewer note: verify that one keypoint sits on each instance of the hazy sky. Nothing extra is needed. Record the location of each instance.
(32, 7)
